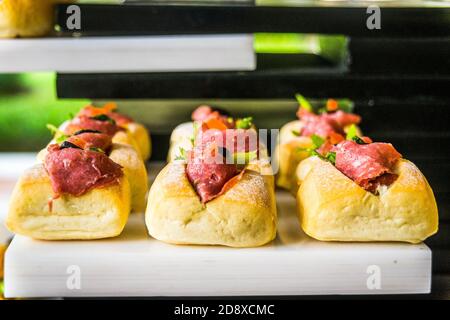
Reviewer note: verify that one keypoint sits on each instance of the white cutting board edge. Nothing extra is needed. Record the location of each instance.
(136, 265)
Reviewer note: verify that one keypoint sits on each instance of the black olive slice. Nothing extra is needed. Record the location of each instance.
(86, 131)
(67, 144)
(103, 117)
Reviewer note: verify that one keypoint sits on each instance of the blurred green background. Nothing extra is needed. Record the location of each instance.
(27, 103)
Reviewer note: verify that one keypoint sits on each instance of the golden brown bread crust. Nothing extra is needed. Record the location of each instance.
(332, 207)
(287, 155)
(180, 138)
(245, 216)
(142, 138)
(125, 137)
(2, 255)
(27, 18)
(136, 173)
(100, 213)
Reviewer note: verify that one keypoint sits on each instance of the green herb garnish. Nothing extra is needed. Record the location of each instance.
(303, 102)
(346, 105)
(58, 135)
(352, 134)
(296, 133)
(317, 142)
(244, 123)
(182, 155)
(331, 157)
(244, 157)
(97, 149)
(322, 110)
(192, 138)
(53, 129)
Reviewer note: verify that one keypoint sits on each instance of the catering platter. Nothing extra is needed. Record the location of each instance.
(134, 264)
(90, 222)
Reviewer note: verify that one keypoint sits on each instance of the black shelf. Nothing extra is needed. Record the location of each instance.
(248, 85)
(405, 56)
(135, 19)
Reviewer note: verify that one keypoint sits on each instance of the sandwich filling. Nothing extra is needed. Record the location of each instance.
(205, 113)
(101, 123)
(370, 165)
(328, 125)
(91, 139)
(110, 110)
(79, 164)
(208, 171)
(220, 152)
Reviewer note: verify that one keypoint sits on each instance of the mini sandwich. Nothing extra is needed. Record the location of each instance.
(88, 131)
(213, 198)
(364, 191)
(27, 18)
(329, 123)
(182, 136)
(80, 191)
(134, 129)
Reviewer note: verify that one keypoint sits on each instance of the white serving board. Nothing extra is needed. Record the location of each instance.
(129, 54)
(12, 165)
(136, 265)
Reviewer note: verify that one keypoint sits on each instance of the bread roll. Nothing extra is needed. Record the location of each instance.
(180, 138)
(245, 216)
(125, 137)
(100, 213)
(332, 207)
(27, 18)
(136, 173)
(141, 137)
(287, 155)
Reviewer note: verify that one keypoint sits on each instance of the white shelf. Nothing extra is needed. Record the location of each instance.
(129, 54)
(136, 265)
